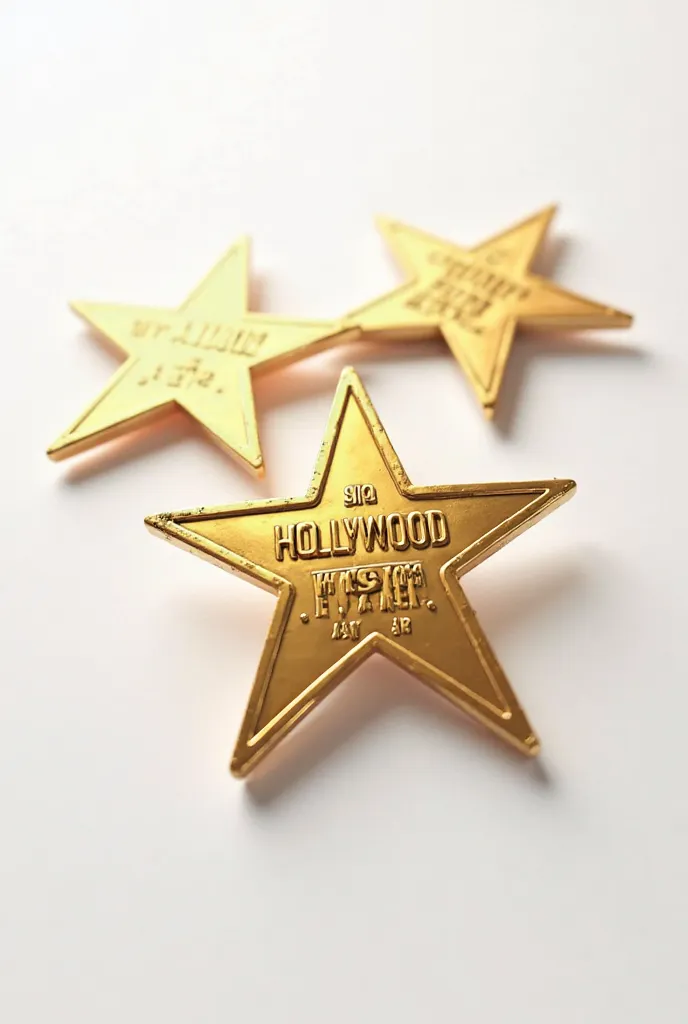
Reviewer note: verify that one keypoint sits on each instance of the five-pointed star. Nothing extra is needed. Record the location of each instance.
(367, 562)
(476, 298)
(198, 358)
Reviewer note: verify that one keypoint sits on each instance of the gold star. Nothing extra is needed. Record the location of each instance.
(199, 357)
(475, 298)
(367, 562)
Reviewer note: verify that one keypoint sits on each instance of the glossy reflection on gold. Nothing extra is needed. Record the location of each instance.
(367, 562)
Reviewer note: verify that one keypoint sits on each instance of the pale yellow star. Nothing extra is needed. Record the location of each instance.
(199, 358)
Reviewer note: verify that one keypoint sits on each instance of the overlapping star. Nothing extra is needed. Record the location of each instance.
(476, 298)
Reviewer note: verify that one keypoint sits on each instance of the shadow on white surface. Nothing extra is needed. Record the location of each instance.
(169, 430)
(290, 385)
(530, 346)
(376, 693)
(379, 689)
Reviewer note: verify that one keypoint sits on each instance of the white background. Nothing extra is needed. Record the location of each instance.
(390, 864)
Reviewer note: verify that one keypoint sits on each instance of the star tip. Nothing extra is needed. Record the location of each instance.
(532, 746)
(384, 223)
(240, 247)
(156, 523)
(56, 451)
(619, 318)
(546, 215)
(253, 461)
(489, 412)
(349, 378)
(79, 307)
(237, 768)
(563, 489)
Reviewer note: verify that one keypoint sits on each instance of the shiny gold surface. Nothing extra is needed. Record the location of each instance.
(475, 298)
(367, 562)
(198, 357)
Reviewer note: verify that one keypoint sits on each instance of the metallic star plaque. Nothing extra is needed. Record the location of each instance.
(367, 562)
(198, 358)
(475, 298)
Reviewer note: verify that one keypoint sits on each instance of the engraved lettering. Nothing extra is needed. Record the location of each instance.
(337, 547)
(307, 537)
(416, 580)
(374, 528)
(400, 586)
(359, 494)
(322, 549)
(288, 542)
(417, 529)
(401, 625)
(396, 531)
(350, 630)
(367, 580)
(183, 338)
(139, 328)
(187, 375)
(211, 337)
(386, 592)
(438, 528)
(146, 328)
(340, 537)
(391, 587)
(323, 587)
(464, 291)
(351, 527)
